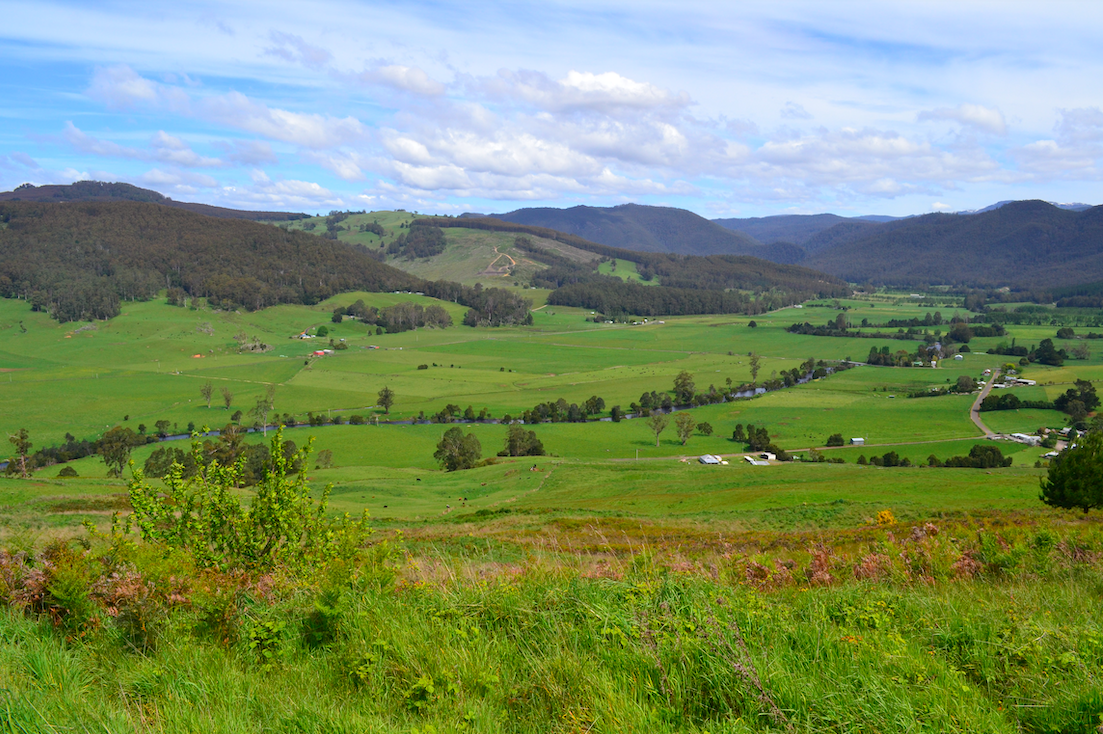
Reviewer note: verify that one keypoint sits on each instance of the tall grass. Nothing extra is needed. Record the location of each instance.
(922, 631)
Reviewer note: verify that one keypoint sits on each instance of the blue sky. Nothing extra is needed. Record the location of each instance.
(726, 109)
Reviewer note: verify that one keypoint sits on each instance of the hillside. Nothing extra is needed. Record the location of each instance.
(101, 191)
(795, 228)
(78, 260)
(1029, 244)
(650, 229)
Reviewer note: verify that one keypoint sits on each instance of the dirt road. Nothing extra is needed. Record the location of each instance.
(974, 412)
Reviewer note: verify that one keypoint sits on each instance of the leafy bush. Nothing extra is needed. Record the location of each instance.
(282, 526)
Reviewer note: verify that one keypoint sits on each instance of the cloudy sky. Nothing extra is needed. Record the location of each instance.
(724, 108)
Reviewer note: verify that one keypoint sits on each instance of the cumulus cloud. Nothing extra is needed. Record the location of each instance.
(1074, 154)
(403, 78)
(294, 49)
(263, 192)
(1083, 125)
(170, 149)
(308, 130)
(119, 87)
(345, 165)
(122, 86)
(977, 116)
(163, 147)
(606, 92)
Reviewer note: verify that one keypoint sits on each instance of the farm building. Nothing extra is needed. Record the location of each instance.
(756, 462)
(710, 459)
(857, 442)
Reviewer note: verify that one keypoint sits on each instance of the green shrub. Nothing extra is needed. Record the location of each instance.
(282, 526)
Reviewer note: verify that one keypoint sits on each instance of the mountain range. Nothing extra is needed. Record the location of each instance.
(1024, 244)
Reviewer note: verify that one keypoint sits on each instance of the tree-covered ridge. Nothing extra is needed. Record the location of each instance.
(79, 260)
(103, 191)
(1028, 244)
(776, 284)
(651, 229)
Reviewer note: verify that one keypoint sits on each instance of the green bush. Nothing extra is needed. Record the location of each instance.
(283, 526)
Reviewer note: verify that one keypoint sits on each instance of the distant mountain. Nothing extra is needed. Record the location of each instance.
(795, 228)
(845, 231)
(799, 229)
(101, 191)
(1075, 207)
(1030, 244)
(652, 229)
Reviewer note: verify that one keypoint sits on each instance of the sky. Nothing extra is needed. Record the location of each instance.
(728, 109)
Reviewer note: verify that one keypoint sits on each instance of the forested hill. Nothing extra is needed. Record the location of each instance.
(1026, 243)
(795, 228)
(101, 191)
(707, 272)
(651, 229)
(77, 260)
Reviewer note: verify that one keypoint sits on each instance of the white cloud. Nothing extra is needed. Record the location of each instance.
(606, 92)
(163, 147)
(308, 130)
(294, 49)
(120, 87)
(345, 165)
(983, 118)
(170, 149)
(404, 78)
(266, 193)
(1081, 125)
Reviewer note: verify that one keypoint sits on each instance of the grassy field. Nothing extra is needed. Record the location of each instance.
(612, 585)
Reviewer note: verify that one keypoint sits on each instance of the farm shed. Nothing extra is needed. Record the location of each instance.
(709, 459)
(857, 442)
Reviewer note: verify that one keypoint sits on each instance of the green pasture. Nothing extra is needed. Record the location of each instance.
(625, 270)
(143, 366)
(821, 493)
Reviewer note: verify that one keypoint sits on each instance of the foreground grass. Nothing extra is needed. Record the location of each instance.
(913, 628)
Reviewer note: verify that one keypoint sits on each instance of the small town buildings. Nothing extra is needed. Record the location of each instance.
(1026, 438)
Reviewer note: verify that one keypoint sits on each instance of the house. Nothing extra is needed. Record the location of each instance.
(857, 442)
(959, 357)
(318, 353)
(767, 456)
(709, 459)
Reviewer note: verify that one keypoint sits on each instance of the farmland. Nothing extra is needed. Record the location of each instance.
(632, 560)
(148, 365)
